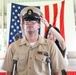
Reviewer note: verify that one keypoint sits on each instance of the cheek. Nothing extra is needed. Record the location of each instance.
(36, 26)
(54, 38)
(50, 37)
(24, 26)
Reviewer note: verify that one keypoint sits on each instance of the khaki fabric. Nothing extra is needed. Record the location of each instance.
(29, 61)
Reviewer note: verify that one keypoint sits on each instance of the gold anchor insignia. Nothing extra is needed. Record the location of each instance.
(29, 12)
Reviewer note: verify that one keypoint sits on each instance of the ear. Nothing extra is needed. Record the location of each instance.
(39, 25)
(21, 19)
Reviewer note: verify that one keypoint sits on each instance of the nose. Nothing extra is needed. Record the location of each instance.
(30, 22)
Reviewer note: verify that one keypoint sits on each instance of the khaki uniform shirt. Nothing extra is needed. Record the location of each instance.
(29, 61)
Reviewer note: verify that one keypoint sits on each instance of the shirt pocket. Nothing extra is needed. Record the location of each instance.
(15, 57)
(21, 64)
(41, 58)
(40, 62)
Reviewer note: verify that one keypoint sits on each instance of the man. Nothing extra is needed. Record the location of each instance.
(32, 50)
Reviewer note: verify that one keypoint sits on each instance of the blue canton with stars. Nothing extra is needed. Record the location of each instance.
(15, 22)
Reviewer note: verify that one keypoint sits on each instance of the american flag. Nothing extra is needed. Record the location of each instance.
(15, 22)
(54, 13)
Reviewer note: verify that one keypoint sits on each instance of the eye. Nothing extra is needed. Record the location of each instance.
(31, 22)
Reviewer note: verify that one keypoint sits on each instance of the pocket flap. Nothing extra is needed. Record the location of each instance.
(41, 58)
(15, 57)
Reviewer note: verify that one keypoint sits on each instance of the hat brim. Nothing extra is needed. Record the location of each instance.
(31, 18)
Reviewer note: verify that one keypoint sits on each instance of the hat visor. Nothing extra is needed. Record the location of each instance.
(31, 18)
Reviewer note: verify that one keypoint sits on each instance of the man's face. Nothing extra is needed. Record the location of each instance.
(31, 26)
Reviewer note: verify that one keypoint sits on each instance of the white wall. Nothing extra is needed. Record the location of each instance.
(70, 26)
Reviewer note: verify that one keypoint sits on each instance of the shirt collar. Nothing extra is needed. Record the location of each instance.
(23, 41)
(40, 41)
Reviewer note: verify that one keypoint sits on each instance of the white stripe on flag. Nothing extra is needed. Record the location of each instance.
(42, 30)
(58, 15)
(51, 13)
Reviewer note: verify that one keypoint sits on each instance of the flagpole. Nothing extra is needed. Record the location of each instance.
(2, 25)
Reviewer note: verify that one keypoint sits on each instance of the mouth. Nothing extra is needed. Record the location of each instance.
(30, 28)
(51, 38)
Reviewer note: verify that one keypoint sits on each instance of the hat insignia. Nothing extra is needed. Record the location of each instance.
(29, 12)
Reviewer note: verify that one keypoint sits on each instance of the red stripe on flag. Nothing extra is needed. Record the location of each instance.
(46, 8)
(55, 8)
(62, 20)
(71, 72)
(2, 73)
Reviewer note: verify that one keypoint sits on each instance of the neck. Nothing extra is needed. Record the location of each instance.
(32, 37)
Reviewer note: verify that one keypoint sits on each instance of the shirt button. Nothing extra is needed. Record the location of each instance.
(30, 58)
(29, 67)
(42, 59)
(31, 49)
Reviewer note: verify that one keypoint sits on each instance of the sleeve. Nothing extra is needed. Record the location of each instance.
(8, 60)
(57, 60)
